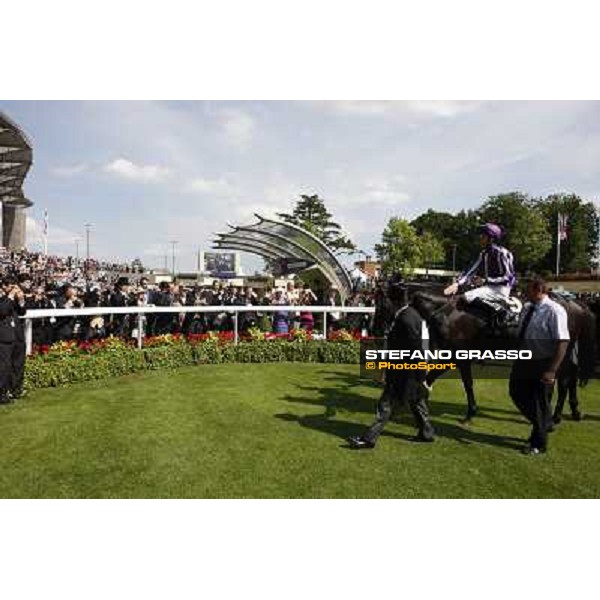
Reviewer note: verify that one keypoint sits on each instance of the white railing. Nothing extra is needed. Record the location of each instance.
(140, 311)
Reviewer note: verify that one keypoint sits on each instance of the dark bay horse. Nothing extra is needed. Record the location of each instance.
(455, 329)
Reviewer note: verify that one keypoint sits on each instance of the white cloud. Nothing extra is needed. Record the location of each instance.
(57, 236)
(374, 192)
(237, 128)
(158, 250)
(215, 187)
(67, 171)
(401, 108)
(443, 108)
(127, 169)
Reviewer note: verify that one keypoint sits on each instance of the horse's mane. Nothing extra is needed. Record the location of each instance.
(429, 297)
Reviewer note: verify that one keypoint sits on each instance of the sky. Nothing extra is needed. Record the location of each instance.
(144, 173)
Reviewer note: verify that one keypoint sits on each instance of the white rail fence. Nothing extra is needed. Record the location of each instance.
(141, 311)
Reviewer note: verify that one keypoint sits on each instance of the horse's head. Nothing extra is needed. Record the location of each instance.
(390, 296)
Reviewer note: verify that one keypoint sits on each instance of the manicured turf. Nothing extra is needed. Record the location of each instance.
(278, 430)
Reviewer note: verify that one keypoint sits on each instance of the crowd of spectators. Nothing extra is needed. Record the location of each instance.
(65, 282)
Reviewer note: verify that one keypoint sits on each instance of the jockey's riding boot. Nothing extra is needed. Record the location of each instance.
(488, 312)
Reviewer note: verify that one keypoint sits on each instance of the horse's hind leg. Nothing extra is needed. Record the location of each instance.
(467, 381)
(562, 385)
(573, 401)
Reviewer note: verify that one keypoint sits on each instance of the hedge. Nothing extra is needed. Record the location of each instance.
(69, 362)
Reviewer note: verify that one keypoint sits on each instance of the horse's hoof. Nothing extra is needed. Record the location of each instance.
(466, 421)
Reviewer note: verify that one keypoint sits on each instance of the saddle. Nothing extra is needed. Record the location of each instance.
(499, 315)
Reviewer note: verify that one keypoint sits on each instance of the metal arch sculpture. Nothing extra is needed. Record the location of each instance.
(276, 240)
(16, 157)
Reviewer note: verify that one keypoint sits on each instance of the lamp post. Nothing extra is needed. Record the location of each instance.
(77, 240)
(454, 257)
(87, 226)
(173, 244)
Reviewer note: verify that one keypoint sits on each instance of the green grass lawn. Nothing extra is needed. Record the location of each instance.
(278, 430)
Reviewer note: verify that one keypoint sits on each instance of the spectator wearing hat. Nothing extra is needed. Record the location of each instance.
(162, 323)
(401, 386)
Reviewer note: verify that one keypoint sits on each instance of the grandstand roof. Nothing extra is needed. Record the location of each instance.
(15, 160)
(291, 246)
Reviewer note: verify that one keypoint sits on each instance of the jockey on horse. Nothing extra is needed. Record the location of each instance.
(493, 274)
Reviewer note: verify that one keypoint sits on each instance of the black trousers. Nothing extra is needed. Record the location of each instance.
(18, 366)
(398, 391)
(6, 350)
(533, 398)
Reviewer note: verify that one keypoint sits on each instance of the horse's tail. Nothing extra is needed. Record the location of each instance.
(587, 348)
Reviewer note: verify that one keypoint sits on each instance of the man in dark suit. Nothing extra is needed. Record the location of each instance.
(401, 386)
(12, 341)
(162, 322)
(120, 298)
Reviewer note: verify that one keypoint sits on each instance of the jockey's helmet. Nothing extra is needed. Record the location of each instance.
(492, 230)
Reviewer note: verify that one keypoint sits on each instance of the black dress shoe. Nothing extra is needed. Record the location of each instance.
(556, 419)
(576, 415)
(422, 439)
(358, 443)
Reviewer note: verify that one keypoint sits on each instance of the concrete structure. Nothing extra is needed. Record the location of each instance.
(15, 160)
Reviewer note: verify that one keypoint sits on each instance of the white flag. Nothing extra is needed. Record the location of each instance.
(562, 227)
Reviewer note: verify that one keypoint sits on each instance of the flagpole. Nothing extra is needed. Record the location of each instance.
(557, 244)
(45, 232)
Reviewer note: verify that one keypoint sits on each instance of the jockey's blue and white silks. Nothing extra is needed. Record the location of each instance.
(494, 265)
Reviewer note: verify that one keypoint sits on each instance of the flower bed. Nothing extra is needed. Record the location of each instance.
(70, 362)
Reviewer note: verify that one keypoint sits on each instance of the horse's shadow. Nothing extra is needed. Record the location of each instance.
(343, 397)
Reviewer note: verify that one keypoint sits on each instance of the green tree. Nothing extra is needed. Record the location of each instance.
(456, 233)
(440, 225)
(310, 214)
(431, 249)
(578, 251)
(527, 232)
(402, 249)
(464, 238)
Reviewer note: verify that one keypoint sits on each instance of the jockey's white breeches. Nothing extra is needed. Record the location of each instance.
(488, 292)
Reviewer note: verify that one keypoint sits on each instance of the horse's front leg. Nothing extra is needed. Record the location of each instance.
(467, 380)
(432, 376)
